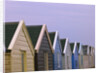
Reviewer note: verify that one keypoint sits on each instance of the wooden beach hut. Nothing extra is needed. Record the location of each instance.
(75, 60)
(86, 62)
(57, 56)
(91, 57)
(19, 52)
(80, 55)
(66, 54)
(43, 47)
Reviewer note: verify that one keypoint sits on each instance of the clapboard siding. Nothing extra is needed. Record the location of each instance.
(55, 60)
(21, 44)
(7, 62)
(75, 59)
(39, 57)
(86, 61)
(63, 62)
(68, 63)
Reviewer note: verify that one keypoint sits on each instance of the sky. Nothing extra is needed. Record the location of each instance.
(73, 21)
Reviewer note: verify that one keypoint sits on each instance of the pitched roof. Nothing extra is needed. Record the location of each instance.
(85, 48)
(10, 28)
(78, 46)
(72, 46)
(63, 41)
(52, 36)
(34, 32)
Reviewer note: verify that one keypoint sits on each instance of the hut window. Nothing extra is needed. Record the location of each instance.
(58, 59)
(46, 60)
(23, 56)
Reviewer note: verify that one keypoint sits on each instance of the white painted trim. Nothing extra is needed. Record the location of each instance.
(28, 38)
(79, 51)
(49, 40)
(14, 38)
(40, 37)
(75, 44)
(60, 44)
(55, 40)
(88, 50)
(65, 47)
(43, 29)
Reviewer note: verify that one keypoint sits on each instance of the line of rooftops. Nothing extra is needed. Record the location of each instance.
(37, 28)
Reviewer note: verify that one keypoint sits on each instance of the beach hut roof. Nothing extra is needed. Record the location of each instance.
(63, 41)
(73, 47)
(12, 30)
(36, 33)
(53, 37)
(64, 44)
(85, 49)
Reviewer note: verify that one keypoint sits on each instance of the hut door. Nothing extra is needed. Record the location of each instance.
(23, 61)
(45, 60)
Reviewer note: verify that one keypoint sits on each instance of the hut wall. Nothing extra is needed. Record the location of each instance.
(63, 61)
(21, 45)
(75, 61)
(7, 62)
(86, 61)
(68, 55)
(40, 58)
(57, 64)
(80, 61)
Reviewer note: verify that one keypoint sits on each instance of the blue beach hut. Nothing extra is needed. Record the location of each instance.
(57, 56)
(75, 60)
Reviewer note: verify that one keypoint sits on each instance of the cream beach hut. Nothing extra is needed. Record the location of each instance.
(66, 54)
(19, 51)
(86, 62)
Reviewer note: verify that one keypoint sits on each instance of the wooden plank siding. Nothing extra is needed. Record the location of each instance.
(39, 57)
(57, 56)
(86, 61)
(7, 62)
(16, 55)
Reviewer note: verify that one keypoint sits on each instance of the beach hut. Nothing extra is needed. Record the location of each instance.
(66, 54)
(57, 56)
(91, 57)
(43, 47)
(86, 62)
(75, 59)
(80, 55)
(19, 51)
